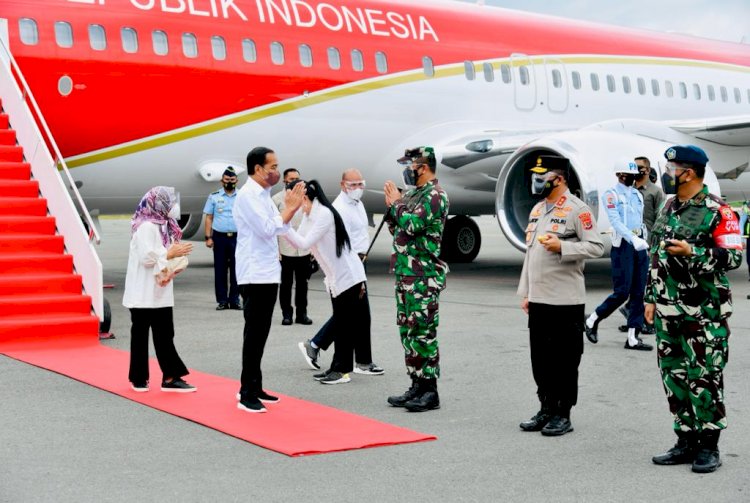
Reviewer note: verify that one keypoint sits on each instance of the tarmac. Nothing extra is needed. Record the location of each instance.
(64, 441)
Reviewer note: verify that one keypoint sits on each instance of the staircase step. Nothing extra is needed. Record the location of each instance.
(15, 170)
(11, 153)
(44, 304)
(36, 262)
(40, 283)
(4, 121)
(19, 188)
(7, 137)
(10, 243)
(58, 326)
(23, 206)
(27, 224)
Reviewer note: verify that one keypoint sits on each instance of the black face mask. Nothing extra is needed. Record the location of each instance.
(290, 185)
(627, 180)
(230, 185)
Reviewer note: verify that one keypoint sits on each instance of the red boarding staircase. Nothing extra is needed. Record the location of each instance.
(40, 295)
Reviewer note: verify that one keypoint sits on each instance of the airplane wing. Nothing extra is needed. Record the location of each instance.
(731, 131)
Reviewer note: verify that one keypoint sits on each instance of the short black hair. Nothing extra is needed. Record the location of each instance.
(643, 158)
(257, 156)
(699, 169)
(290, 170)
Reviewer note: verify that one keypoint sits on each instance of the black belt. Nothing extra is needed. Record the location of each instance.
(227, 234)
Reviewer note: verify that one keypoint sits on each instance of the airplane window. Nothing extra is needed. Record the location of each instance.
(626, 84)
(611, 87)
(576, 78)
(489, 72)
(668, 88)
(159, 42)
(305, 55)
(129, 38)
(63, 34)
(594, 82)
(28, 30)
(724, 95)
(218, 48)
(556, 78)
(428, 67)
(641, 85)
(655, 87)
(358, 62)
(505, 73)
(523, 75)
(334, 58)
(277, 53)
(469, 70)
(249, 53)
(710, 92)
(97, 37)
(381, 62)
(737, 95)
(697, 91)
(189, 45)
(683, 90)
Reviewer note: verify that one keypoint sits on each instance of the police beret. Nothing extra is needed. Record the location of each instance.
(229, 172)
(546, 163)
(689, 154)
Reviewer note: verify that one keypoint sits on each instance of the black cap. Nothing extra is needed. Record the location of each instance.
(545, 163)
(229, 172)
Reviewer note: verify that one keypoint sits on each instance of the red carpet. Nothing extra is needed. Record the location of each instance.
(293, 427)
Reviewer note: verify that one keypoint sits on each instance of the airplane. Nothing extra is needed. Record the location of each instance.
(139, 93)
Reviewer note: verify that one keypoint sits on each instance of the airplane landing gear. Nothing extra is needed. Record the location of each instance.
(461, 240)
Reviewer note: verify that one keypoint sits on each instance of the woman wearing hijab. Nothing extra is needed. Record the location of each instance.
(148, 289)
(323, 232)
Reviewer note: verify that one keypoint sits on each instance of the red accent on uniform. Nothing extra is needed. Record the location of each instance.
(727, 233)
(586, 221)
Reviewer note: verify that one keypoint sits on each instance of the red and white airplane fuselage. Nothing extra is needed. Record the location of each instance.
(140, 93)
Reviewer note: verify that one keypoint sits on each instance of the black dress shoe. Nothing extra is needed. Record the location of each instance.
(648, 329)
(591, 334)
(623, 328)
(236, 306)
(222, 306)
(557, 426)
(303, 320)
(641, 346)
(537, 422)
(706, 461)
(287, 320)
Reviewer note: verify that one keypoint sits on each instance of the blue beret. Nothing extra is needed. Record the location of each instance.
(689, 154)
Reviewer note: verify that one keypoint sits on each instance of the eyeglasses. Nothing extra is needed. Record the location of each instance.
(355, 184)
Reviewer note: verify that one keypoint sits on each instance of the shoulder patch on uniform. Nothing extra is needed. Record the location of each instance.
(727, 233)
(611, 200)
(586, 220)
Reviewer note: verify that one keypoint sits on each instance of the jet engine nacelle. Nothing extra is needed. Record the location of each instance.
(592, 155)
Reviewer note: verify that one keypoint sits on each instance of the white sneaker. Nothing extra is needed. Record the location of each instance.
(369, 369)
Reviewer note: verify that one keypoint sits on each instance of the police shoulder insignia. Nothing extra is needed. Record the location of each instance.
(586, 220)
(561, 202)
(611, 200)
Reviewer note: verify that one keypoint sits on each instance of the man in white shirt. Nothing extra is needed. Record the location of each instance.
(257, 265)
(352, 211)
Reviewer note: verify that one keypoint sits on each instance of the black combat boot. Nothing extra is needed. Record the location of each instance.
(400, 400)
(707, 459)
(683, 451)
(427, 398)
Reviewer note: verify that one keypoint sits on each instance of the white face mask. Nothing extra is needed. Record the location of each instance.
(175, 211)
(355, 194)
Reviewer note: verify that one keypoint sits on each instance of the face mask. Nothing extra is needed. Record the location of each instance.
(290, 185)
(627, 180)
(355, 194)
(230, 185)
(174, 213)
(540, 186)
(273, 178)
(410, 176)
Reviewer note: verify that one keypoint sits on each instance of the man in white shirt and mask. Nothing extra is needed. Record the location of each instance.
(352, 211)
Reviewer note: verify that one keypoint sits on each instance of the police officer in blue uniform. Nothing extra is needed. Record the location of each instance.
(221, 236)
(629, 256)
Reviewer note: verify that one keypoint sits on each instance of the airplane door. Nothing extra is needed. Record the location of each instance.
(557, 85)
(524, 82)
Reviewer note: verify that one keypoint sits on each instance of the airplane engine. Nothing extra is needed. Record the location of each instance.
(191, 223)
(591, 154)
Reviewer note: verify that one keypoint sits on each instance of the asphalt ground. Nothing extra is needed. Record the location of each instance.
(64, 441)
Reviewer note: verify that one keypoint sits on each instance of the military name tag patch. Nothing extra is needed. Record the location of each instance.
(586, 221)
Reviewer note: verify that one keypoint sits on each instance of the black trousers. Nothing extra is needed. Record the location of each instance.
(362, 345)
(556, 341)
(295, 269)
(260, 299)
(224, 247)
(351, 317)
(161, 324)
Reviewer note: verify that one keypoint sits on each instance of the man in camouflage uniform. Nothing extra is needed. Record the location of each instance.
(696, 239)
(416, 221)
(560, 235)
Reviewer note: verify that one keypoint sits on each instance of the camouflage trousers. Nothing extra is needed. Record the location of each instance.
(691, 358)
(417, 319)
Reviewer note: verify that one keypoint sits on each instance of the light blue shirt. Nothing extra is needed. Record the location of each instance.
(220, 205)
(624, 206)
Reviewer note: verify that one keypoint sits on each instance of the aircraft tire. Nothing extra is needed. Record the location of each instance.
(461, 240)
